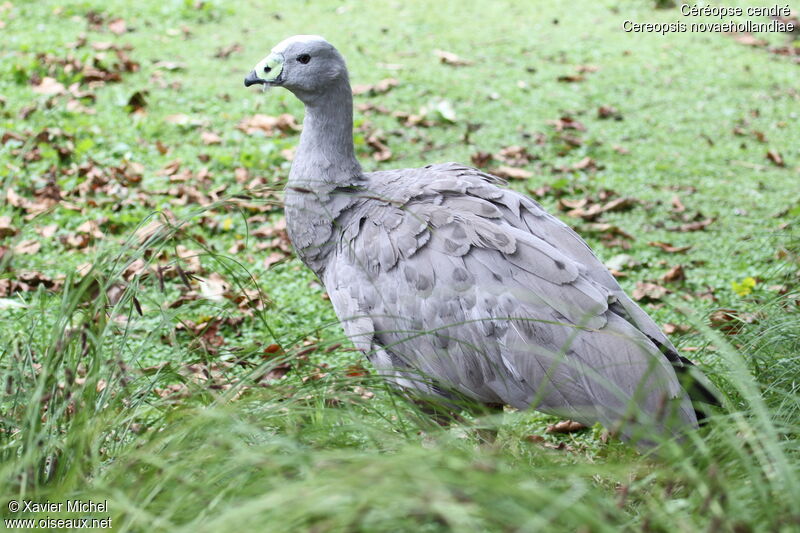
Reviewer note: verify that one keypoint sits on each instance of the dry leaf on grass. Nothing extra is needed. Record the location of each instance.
(117, 26)
(590, 209)
(693, 226)
(269, 125)
(676, 329)
(214, 287)
(137, 102)
(224, 52)
(587, 163)
(607, 111)
(677, 204)
(377, 143)
(49, 87)
(27, 281)
(383, 86)
(571, 78)
(566, 123)
(565, 426)
(513, 173)
(273, 258)
(449, 58)
(607, 230)
(748, 39)
(209, 137)
(646, 291)
(514, 156)
(6, 229)
(669, 248)
(481, 159)
(28, 247)
(676, 273)
(731, 321)
(776, 158)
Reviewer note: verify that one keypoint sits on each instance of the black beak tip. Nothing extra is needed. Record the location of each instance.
(252, 79)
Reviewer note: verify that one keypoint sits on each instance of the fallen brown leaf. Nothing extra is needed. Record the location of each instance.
(677, 205)
(674, 274)
(363, 392)
(515, 156)
(620, 204)
(748, 39)
(377, 142)
(268, 125)
(155, 226)
(77, 240)
(224, 52)
(587, 163)
(481, 159)
(775, 157)
(169, 65)
(571, 78)
(587, 210)
(356, 371)
(274, 374)
(669, 248)
(676, 329)
(209, 137)
(28, 247)
(513, 173)
(27, 281)
(75, 106)
(607, 229)
(707, 294)
(49, 87)
(272, 349)
(84, 268)
(620, 149)
(649, 291)
(383, 86)
(566, 123)
(369, 108)
(693, 226)
(190, 258)
(566, 204)
(172, 392)
(607, 111)
(117, 26)
(411, 120)
(10, 135)
(137, 102)
(449, 58)
(726, 320)
(6, 229)
(214, 287)
(565, 426)
(273, 258)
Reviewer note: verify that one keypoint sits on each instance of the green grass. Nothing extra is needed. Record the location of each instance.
(86, 366)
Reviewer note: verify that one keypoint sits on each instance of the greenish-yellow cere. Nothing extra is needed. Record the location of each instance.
(270, 67)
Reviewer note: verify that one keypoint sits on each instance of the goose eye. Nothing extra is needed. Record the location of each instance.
(303, 58)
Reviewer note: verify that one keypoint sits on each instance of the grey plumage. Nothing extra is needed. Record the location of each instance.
(452, 284)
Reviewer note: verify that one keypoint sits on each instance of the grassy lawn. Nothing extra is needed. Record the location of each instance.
(162, 349)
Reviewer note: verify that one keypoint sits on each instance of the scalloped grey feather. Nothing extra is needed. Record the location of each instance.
(453, 285)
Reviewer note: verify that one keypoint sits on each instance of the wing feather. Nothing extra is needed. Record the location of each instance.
(477, 289)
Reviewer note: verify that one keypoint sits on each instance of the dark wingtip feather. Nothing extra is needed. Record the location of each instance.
(701, 396)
